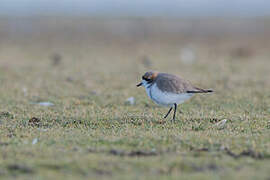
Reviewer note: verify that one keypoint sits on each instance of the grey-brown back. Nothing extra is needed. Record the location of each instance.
(171, 83)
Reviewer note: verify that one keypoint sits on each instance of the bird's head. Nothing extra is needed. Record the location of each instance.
(148, 78)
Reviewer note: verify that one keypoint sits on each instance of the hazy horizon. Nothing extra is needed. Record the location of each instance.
(171, 8)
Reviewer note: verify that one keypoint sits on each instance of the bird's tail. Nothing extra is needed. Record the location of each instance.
(199, 90)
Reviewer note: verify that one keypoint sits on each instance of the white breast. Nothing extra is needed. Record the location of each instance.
(165, 98)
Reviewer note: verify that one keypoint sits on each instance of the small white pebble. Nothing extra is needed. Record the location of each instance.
(222, 147)
(25, 90)
(153, 150)
(45, 104)
(35, 141)
(221, 124)
(130, 101)
(42, 130)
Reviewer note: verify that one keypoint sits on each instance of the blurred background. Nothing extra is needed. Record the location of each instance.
(97, 42)
(70, 108)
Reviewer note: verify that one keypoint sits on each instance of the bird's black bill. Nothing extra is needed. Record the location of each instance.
(138, 85)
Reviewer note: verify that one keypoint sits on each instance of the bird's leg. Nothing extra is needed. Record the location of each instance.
(175, 107)
(168, 113)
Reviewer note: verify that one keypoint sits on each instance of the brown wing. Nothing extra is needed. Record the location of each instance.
(175, 84)
(172, 83)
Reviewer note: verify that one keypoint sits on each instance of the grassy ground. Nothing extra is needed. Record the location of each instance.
(91, 132)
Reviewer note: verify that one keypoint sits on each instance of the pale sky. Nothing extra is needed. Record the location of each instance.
(136, 7)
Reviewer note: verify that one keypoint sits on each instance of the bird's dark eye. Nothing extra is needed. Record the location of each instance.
(144, 78)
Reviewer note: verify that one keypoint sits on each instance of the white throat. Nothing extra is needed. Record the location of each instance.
(147, 88)
(145, 84)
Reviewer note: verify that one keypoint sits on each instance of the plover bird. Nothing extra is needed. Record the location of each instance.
(168, 90)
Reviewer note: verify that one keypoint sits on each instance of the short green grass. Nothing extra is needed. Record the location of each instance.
(91, 133)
